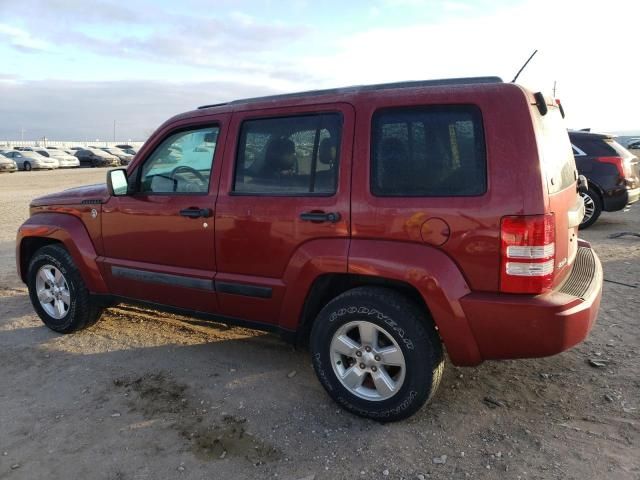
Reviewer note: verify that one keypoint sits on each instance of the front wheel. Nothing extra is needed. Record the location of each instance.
(377, 353)
(592, 208)
(27, 166)
(58, 293)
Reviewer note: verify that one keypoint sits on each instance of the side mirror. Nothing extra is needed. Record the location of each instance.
(583, 184)
(117, 183)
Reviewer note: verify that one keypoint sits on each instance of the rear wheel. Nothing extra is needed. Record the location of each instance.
(376, 353)
(592, 208)
(27, 166)
(58, 293)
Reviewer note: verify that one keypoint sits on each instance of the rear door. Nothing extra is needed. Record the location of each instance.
(284, 190)
(560, 174)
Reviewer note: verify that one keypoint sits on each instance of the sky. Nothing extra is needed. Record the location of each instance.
(71, 68)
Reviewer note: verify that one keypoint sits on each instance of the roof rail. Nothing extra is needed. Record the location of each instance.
(364, 88)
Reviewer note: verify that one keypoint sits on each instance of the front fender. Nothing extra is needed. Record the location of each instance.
(436, 277)
(71, 232)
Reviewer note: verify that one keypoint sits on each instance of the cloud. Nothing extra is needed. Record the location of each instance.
(21, 39)
(70, 11)
(196, 36)
(86, 110)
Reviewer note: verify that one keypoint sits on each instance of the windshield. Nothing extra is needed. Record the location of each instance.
(98, 151)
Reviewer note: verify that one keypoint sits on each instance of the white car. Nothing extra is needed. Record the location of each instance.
(65, 160)
(31, 160)
(7, 164)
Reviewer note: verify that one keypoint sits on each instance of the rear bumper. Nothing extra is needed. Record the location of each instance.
(633, 195)
(619, 199)
(523, 326)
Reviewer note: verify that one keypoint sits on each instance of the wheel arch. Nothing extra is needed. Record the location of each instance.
(423, 273)
(328, 286)
(65, 229)
(28, 247)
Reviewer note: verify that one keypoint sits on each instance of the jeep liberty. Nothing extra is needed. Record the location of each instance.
(378, 225)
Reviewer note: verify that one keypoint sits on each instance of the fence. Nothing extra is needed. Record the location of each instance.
(65, 143)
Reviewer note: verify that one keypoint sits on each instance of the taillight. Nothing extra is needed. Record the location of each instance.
(624, 168)
(527, 253)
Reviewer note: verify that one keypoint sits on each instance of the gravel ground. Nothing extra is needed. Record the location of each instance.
(145, 395)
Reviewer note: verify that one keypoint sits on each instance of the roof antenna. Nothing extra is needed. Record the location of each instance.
(522, 68)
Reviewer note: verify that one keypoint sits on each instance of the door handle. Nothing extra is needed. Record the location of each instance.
(195, 212)
(332, 217)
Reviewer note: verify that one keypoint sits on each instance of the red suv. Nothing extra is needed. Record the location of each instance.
(377, 224)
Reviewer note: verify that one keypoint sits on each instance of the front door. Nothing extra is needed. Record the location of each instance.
(159, 239)
(284, 197)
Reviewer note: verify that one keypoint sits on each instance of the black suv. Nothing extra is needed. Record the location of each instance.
(612, 172)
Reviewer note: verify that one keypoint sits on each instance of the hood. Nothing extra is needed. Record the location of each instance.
(74, 196)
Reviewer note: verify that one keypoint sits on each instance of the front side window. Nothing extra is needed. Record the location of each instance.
(428, 152)
(182, 163)
(289, 155)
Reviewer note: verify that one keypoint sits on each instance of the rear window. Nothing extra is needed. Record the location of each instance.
(428, 152)
(556, 152)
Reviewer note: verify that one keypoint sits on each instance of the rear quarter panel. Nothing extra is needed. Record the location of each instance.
(514, 182)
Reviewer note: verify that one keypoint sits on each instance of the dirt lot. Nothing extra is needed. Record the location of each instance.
(144, 395)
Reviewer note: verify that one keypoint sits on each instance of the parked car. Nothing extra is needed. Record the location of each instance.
(94, 157)
(124, 157)
(7, 164)
(130, 151)
(28, 160)
(64, 159)
(635, 145)
(611, 170)
(377, 224)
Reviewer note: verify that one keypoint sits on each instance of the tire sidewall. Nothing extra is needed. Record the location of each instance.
(40, 259)
(27, 166)
(597, 209)
(414, 346)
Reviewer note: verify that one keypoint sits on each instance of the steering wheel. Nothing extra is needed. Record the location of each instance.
(188, 169)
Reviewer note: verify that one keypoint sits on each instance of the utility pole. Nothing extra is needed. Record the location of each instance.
(22, 134)
(554, 89)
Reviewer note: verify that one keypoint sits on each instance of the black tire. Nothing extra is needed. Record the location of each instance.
(593, 197)
(410, 327)
(27, 166)
(83, 311)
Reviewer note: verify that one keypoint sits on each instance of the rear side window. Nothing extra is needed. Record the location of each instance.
(289, 155)
(594, 146)
(556, 152)
(428, 152)
(600, 146)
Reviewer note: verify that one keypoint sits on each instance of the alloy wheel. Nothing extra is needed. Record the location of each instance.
(367, 360)
(53, 291)
(589, 207)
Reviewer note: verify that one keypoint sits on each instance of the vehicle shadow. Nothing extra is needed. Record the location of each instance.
(169, 387)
